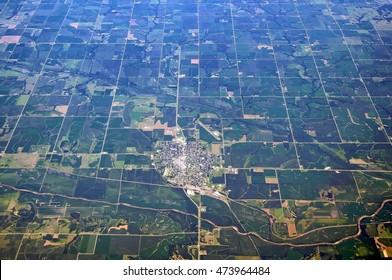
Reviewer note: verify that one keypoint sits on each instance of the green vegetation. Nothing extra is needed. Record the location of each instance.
(129, 127)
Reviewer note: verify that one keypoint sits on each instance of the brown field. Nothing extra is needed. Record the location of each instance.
(291, 228)
(215, 149)
(10, 39)
(271, 180)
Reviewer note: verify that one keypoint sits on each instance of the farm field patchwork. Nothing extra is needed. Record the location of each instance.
(197, 129)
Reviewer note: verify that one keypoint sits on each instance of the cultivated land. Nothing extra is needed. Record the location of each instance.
(210, 129)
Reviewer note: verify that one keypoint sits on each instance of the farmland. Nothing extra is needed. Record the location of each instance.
(168, 129)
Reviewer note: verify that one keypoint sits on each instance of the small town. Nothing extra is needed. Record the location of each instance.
(184, 163)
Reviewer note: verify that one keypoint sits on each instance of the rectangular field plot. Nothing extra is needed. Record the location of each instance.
(317, 185)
